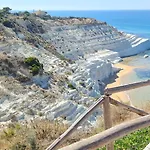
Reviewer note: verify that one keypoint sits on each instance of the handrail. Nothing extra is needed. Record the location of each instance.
(60, 139)
(102, 140)
(126, 87)
(129, 108)
(112, 134)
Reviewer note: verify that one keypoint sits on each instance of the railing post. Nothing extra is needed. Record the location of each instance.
(107, 119)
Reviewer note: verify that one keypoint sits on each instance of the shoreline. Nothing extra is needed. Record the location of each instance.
(121, 96)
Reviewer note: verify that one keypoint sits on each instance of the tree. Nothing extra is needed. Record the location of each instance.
(6, 10)
(26, 13)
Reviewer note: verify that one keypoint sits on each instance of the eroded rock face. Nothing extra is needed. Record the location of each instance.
(12, 65)
(66, 90)
(42, 80)
(76, 41)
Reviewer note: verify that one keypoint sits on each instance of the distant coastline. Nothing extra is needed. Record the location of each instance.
(129, 21)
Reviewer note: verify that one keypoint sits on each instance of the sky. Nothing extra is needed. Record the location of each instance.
(76, 4)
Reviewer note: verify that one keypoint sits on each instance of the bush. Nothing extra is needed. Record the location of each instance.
(5, 11)
(32, 40)
(26, 13)
(32, 61)
(1, 16)
(33, 64)
(71, 86)
(36, 135)
(8, 24)
(25, 18)
(19, 146)
(35, 70)
(82, 84)
(33, 143)
(139, 139)
(136, 140)
(9, 133)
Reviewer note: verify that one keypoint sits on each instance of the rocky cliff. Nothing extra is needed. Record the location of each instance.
(77, 56)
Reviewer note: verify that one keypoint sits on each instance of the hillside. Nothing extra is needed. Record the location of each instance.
(77, 57)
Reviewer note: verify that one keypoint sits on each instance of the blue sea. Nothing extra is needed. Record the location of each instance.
(130, 21)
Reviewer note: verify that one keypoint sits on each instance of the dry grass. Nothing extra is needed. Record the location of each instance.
(30, 136)
(38, 135)
(120, 115)
(147, 107)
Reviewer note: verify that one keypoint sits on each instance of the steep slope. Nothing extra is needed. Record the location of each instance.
(76, 41)
(77, 56)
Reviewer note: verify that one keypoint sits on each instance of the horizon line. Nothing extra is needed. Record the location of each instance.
(81, 9)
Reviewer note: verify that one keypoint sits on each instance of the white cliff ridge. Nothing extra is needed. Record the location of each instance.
(93, 48)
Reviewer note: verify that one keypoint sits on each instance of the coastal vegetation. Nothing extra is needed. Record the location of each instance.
(30, 136)
(8, 23)
(38, 134)
(3, 16)
(34, 65)
(71, 86)
(139, 139)
(4, 11)
(135, 141)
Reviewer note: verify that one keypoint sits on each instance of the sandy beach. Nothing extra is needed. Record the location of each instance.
(121, 96)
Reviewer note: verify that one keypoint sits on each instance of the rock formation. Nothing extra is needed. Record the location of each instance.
(77, 56)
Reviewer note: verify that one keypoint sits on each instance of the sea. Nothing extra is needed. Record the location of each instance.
(130, 21)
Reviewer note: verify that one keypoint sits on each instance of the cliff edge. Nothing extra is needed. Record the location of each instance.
(77, 57)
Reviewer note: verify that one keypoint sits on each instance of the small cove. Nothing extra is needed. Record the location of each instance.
(135, 68)
(140, 72)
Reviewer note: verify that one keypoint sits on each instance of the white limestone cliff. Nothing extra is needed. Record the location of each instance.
(94, 48)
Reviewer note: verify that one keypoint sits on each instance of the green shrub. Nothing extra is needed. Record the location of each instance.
(9, 133)
(5, 11)
(35, 70)
(19, 146)
(135, 141)
(25, 18)
(40, 114)
(8, 24)
(32, 61)
(33, 64)
(33, 144)
(71, 86)
(139, 139)
(26, 13)
(1, 16)
(82, 84)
